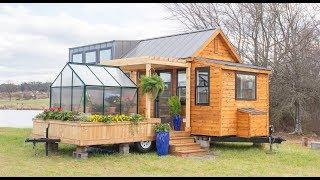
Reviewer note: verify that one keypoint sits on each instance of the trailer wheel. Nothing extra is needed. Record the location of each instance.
(144, 146)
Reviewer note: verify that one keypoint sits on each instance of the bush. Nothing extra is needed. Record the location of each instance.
(174, 105)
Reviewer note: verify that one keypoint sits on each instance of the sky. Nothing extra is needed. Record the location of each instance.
(34, 38)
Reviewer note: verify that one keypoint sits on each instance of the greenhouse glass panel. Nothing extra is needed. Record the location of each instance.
(76, 80)
(104, 76)
(66, 76)
(112, 100)
(129, 101)
(85, 74)
(55, 97)
(57, 82)
(66, 98)
(123, 79)
(77, 99)
(94, 100)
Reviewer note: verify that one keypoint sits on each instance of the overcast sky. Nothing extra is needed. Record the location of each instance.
(34, 38)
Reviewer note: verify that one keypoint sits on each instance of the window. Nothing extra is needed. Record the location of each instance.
(91, 57)
(245, 86)
(77, 58)
(105, 54)
(181, 86)
(202, 85)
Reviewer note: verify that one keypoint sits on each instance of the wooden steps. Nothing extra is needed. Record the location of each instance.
(182, 144)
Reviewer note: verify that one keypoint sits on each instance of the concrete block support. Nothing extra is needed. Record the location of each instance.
(124, 148)
(80, 153)
(203, 141)
(53, 147)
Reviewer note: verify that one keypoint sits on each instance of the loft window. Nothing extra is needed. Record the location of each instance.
(245, 86)
(202, 85)
(91, 57)
(105, 54)
(181, 86)
(77, 58)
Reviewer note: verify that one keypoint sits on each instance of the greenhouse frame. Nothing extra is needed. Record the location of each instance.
(95, 89)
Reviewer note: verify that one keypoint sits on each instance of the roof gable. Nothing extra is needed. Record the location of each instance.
(218, 46)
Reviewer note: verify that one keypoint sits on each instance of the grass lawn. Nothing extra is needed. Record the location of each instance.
(24, 104)
(17, 159)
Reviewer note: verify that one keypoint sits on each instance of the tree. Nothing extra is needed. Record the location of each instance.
(9, 88)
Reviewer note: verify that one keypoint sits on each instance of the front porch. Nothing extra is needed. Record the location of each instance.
(175, 73)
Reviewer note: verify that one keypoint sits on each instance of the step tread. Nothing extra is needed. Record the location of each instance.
(185, 144)
(191, 151)
(181, 137)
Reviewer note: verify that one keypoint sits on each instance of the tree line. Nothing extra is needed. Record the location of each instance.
(283, 37)
(33, 87)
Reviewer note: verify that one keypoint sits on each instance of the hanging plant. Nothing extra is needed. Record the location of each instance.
(152, 84)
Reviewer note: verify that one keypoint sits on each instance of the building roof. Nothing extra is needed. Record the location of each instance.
(175, 46)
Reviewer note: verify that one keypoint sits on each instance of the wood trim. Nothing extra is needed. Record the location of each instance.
(207, 68)
(236, 89)
(244, 69)
(148, 95)
(188, 97)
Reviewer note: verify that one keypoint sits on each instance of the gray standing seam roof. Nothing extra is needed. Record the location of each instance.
(174, 46)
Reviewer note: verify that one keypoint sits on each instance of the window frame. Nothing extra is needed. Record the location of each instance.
(179, 87)
(207, 68)
(85, 56)
(76, 54)
(111, 53)
(255, 85)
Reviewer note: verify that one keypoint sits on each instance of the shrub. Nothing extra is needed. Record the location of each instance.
(162, 127)
(174, 105)
(135, 118)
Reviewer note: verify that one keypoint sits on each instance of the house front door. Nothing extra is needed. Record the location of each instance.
(161, 103)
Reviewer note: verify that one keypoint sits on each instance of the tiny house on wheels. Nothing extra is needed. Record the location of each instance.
(222, 98)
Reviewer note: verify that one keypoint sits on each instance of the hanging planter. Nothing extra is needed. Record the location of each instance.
(152, 84)
(162, 138)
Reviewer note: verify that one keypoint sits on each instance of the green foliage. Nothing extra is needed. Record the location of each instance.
(135, 118)
(152, 84)
(162, 127)
(56, 113)
(174, 105)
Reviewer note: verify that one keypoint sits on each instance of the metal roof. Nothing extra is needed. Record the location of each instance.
(175, 46)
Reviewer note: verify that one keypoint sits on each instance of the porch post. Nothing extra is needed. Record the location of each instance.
(188, 87)
(148, 96)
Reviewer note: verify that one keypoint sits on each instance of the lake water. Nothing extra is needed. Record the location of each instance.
(17, 118)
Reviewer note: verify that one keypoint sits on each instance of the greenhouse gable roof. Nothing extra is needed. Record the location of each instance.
(77, 74)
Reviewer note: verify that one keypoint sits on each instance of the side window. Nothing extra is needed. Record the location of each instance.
(181, 86)
(245, 86)
(77, 58)
(105, 54)
(91, 57)
(202, 85)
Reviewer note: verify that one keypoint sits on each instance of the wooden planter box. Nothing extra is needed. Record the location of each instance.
(93, 133)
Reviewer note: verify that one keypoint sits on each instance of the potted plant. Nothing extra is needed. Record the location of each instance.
(152, 84)
(175, 108)
(162, 138)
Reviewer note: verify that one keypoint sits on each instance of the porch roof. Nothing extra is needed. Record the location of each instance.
(139, 63)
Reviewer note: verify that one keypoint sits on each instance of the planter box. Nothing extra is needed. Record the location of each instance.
(93, 133)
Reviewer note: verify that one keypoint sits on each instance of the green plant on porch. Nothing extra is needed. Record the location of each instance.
(174, 105)
(152, 84)
(162, 127)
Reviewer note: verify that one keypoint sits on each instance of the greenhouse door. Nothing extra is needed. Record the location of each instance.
(161, 103)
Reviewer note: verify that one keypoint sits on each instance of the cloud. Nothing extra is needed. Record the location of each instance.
(34, 39)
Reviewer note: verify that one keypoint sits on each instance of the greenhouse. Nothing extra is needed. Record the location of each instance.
(95, 89)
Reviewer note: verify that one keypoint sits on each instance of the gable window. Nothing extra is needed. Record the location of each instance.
(202, 85)
(77, 58)
(245, 86)
(105, 54)
(91, 57)
(181, 86)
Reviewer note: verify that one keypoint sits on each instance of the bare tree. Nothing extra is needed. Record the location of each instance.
(9, 88)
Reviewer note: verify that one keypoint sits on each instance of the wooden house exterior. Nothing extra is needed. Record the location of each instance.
(231, 99)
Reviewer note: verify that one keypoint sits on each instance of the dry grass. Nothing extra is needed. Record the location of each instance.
(24, 104)
(18, 159)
